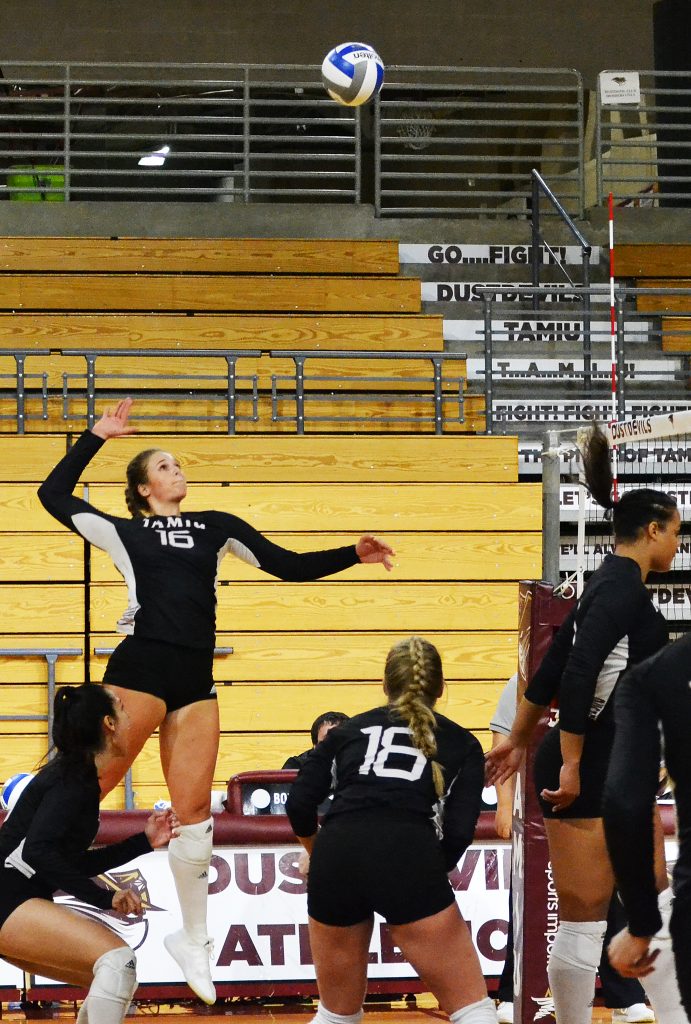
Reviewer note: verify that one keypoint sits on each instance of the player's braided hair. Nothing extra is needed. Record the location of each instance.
(413, 681)
(137, 474)
(635, 509)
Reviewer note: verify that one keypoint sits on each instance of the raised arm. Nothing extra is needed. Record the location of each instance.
(55, 493)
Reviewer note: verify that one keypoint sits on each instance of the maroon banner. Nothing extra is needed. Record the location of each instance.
(535, 905)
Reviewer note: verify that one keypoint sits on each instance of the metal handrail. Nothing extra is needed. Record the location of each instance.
(230, 355)
(540, 187)
(51, 654)
(300, 356)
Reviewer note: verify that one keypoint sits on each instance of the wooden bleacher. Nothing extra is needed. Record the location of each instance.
(199, 255)
(58, 294)
(660, 266)
(465, 532)
(657, 260)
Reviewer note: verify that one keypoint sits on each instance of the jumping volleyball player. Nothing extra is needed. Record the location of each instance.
(162, 670)
(653, 694)
(406, 801)
(44, 846)
(613, 626)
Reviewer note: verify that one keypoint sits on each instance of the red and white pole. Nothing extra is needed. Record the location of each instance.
(613, 342)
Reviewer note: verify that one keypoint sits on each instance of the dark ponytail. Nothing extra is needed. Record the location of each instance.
(635, 509)
(137, 474)
(78, 714)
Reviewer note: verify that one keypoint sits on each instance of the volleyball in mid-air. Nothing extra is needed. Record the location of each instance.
(352, 73)
(13, 788)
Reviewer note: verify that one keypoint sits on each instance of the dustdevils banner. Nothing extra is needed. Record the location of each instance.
(258, 915)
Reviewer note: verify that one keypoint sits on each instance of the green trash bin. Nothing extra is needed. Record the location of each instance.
(30, 184)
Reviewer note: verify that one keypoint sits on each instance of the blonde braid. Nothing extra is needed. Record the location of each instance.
(411, 669)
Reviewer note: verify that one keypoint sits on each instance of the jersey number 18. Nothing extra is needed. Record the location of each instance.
(380, 744)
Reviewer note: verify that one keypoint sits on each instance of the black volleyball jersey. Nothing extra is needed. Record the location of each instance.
(655, 693)
(170, 563)
(373, 764)
(48, 834)
(614, 625)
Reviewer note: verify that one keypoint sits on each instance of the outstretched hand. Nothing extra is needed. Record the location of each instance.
(113, 422)
(372, 550)
(502, 761)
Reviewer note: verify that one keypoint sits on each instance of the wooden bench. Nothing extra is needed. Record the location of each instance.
(385, 604)
(414, 332)
(209, 415)
(311, 508)
(200, 255)
(314, 656)
(665, 303)
(101, 292)
(320, 460)
(676, 334)
(642, 260)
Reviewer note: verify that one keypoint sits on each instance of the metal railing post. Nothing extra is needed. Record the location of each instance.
(299, 394)
(550, 508)
(489, 388)
(587, 332)
(438, 396)
(21, 393)
(232, 394)
(535, 237)
(90, 390)
(621, 363)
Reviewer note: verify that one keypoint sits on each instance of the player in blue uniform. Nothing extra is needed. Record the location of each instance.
(162, 671)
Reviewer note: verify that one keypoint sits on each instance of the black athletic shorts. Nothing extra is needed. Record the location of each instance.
(373, 861)
(597, 747)
(177, 675)
(15, 889)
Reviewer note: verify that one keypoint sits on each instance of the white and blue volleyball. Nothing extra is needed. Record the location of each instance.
(352, 73)
(13, 788)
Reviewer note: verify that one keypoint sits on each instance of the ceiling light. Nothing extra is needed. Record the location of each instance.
(156, 158)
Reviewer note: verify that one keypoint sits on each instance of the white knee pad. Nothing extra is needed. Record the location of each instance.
(579, 943)
(194, 844)
(115, 977)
